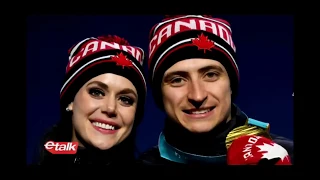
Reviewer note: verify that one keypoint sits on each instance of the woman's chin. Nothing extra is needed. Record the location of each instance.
(103, 145)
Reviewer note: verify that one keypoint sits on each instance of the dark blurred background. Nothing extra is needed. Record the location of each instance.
(264, 53)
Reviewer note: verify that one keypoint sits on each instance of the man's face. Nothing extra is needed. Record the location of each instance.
(197, 94)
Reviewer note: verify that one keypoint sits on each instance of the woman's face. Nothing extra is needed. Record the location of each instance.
(104, 110)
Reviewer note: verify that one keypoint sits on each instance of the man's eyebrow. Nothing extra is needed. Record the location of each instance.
(207, 68)
(201, 70)
(173, 73)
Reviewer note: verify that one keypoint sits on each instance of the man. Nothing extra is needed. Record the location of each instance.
(194, 79)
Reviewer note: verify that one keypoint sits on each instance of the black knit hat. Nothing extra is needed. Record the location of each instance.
(190, 36)
(106, 54)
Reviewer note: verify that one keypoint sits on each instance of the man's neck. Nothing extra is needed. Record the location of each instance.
(211, 143)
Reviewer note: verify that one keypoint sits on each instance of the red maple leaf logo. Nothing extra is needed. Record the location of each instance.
(122, 60)
(202, 42)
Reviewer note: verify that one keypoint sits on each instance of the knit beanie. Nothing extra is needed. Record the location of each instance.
(92, 57)
(183, 37)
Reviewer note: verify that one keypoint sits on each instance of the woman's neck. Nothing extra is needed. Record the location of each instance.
(208, 144)
(116, 154)
(87, 155)
(123, 152)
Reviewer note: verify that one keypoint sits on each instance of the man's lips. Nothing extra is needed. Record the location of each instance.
(199, 111)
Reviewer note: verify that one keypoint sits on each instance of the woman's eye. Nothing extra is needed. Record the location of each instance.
(96, 92)
(126, 100)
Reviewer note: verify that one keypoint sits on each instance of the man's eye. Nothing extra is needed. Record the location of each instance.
(176, 80)
(211, 74)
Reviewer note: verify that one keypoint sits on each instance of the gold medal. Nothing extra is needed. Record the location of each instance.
(251, 127)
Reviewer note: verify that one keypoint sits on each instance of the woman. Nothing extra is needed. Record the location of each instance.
(102, 102)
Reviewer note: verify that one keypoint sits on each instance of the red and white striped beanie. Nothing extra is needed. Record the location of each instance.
(182, 37)
(105, 54)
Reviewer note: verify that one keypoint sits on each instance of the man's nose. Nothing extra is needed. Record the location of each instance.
(197, 94)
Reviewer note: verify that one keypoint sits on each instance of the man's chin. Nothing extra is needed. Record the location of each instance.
(199, 130)
(199, 127)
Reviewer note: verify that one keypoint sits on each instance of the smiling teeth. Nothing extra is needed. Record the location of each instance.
(104, 126)
(200, 112)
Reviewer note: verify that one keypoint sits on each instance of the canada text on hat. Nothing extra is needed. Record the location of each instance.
(93, 45)
(164, 30)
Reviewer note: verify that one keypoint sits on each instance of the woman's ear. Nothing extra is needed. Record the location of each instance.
(70, 107)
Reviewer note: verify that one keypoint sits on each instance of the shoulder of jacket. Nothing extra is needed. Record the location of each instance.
(285, 143)
(150, 157)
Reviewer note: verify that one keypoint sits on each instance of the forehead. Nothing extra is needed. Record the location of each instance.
(112, 81)
(194, 64)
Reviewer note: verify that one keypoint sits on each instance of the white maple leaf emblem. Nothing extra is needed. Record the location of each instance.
(273, 151)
